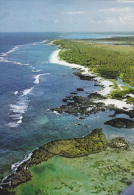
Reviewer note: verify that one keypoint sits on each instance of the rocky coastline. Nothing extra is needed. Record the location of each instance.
(94, 142)
(91, 104)
(70, 148)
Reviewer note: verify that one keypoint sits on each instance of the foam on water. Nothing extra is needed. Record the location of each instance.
(20, 121)
(39, 126)
(10, 51)
(27, 91)
(16, 165)
(35, 43)
(19, 63)
(13, 124)
(37, 77)
(56, 112)
(2, 59)
(16, 92)
(16, 116)
(36, 70)
(17, 110)
(44, 41)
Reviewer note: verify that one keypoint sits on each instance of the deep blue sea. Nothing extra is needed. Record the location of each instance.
(30, 86)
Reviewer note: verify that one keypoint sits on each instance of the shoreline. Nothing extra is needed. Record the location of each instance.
(107, 85)
(95, 143)
(64, 147)
(56, 60)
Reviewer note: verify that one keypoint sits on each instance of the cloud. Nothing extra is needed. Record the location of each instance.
(127, 19)
(56, 21)
(119, 15)
(125, 1)
(122, 17)
(116, 9)
(74, 13)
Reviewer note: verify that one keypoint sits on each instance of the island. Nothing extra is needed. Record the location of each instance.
(91, 158)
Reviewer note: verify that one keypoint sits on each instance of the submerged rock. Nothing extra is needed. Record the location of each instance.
(77, 147)
(121, 123)
(69, 148)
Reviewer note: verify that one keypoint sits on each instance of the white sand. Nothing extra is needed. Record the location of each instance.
(55, 59)
(117, 104)
(131, 95)
(104, 82)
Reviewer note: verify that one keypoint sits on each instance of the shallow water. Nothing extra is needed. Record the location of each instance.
(120, 82)
(108, 172)
(29, 87)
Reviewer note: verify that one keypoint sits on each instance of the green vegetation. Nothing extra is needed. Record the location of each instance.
(120, 94)
(108, 172)
(130, 100)
(109, 61)
(118, 40)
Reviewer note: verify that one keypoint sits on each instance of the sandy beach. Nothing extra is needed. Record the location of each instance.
(107, 85)
(55, 59)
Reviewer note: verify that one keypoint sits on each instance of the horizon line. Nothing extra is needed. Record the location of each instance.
(66, 32)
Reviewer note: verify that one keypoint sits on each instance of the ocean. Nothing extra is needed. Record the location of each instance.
(30, 86)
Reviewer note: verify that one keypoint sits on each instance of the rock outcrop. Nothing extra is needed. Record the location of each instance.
(118, 142)
(81, 105)
(121, 123)
(92, 143)
(70, 148)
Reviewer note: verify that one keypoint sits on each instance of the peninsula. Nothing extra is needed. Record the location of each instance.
(105, 63)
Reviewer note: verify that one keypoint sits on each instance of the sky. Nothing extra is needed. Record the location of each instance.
(66, 15)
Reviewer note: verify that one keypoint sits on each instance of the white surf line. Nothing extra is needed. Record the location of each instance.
(107, 85)
(37, 77)
(16, 92)
(17, 110)
(26, 91)
(15, 166)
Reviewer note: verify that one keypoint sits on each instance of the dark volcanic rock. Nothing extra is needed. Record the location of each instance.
(84, 77)
(121, 123)
(130, 113)
(96, 95)
(73, 93)
(20, 176)
(80, 105)
(80, 89)
(77, 147)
